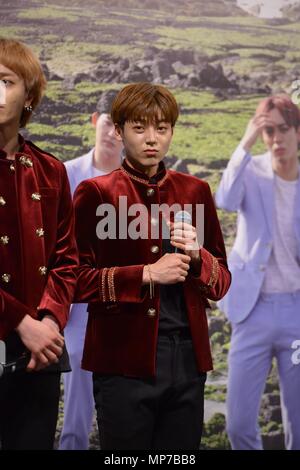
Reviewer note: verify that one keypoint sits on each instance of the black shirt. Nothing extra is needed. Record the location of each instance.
(173, 313)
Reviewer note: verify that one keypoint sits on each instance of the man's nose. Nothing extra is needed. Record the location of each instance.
(277, 135)
(2, 93)
(151, 135)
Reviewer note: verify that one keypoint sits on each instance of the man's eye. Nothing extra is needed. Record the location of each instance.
(162, 128)
(269, 130)
(5, 82)
(138, 128)
(283, 128)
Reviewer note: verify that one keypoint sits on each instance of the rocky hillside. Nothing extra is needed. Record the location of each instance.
(184, 7)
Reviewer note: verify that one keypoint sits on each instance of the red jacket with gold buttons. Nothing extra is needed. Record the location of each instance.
(123, 320)
(38, 252)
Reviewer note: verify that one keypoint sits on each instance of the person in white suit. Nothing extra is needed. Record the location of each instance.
(78, 390)
(263, 303)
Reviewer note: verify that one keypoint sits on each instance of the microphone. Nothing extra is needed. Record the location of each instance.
(184, 217)
(7, 368)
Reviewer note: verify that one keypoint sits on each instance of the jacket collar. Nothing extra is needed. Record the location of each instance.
(136, 175)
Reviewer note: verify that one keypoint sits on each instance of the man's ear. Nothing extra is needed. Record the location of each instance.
(28, 101)
(119, 132)
(94, 118)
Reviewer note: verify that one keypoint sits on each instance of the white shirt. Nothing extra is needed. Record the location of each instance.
(283, 269)
(81, 168)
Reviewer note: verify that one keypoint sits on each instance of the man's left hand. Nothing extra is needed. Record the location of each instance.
(183, 236)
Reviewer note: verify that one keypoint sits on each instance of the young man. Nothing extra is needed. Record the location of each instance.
(263, 303)
(147, 341)
(37, 259)
(78, 387)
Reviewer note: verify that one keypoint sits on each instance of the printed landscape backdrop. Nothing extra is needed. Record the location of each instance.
(220, 57)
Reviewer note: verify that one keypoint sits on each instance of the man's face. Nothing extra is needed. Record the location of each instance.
(14, 97)
(280, 139)
(106, 136)
(145, 144)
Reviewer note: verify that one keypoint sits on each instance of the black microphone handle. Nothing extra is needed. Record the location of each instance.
(14, 366)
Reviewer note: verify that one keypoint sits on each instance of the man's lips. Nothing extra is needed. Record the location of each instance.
(151, 151)
(279, 151)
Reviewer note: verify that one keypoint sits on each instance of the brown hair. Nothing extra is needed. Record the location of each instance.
(144, 102)
(283, 103)
(17, 57)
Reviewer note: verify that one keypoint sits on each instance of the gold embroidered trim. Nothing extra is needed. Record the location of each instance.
(215, 272)
(140, 180)
(102, 287)
(111, 285)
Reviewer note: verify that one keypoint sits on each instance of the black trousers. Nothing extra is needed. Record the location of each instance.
(29, 410)
(162, 413)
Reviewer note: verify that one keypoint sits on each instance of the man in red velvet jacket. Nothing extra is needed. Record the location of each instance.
(37, 259)
(147, 338)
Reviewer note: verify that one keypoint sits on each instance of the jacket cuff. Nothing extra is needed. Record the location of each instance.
(55, 309)
(209, 269)
(121, 284)
(239, 157)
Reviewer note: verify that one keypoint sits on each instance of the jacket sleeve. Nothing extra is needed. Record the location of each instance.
(61, 282)
(12, 311)
(230, 193)
(214, 278)
(99, 283)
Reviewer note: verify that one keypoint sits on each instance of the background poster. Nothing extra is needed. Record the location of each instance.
(218, 57)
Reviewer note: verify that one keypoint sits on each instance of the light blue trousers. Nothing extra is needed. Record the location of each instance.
(78, 386)
(269, 331)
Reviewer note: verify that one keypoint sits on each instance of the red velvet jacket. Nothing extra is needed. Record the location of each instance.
(123, 321)
(37, 246)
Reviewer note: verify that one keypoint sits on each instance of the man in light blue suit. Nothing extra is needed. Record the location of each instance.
(263, 303)
(78, 389)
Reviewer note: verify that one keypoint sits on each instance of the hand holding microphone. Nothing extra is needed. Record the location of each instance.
(173, 267)
(183, 235)
(181, 219)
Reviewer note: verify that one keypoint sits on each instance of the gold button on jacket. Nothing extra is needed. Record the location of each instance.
(6, 277)
(150, 192)
(151, 312)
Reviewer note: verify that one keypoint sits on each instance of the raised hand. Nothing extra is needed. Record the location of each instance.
(254, 130)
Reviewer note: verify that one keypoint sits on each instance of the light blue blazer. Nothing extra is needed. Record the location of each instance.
(78, 169)
(247, 186)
